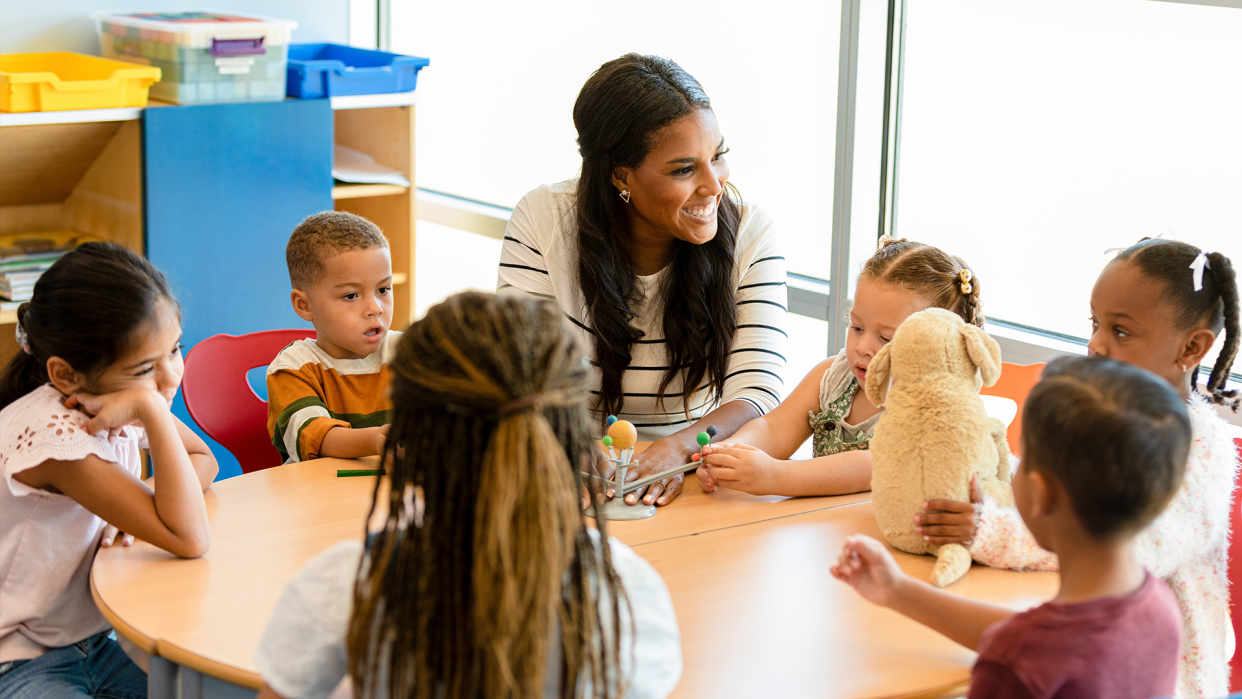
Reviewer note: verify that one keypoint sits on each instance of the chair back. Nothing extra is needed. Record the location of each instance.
(1015, 383)
(1235, 580)
(220, 399)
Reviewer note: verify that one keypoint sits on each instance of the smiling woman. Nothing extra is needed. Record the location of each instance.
(674, 282)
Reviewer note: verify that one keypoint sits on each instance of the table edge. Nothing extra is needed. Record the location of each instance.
(147, 644)
(946, 691)
(218, 670)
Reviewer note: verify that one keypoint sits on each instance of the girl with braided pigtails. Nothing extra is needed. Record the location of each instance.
(902, 277)
(479, 576)
(1160, 305)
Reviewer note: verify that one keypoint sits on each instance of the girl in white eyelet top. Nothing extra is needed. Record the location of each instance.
(90, 388)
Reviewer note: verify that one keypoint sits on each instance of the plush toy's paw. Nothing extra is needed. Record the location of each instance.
(952, 562)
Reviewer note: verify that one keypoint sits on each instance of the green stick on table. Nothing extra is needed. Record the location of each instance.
(349, 473)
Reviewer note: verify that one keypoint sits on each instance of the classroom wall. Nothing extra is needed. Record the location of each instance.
(65, 25)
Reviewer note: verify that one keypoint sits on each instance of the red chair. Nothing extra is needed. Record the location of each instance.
(1016, 382)
(221, 400)
(1235, 581)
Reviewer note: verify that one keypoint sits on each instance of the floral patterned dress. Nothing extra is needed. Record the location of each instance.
(831, 433)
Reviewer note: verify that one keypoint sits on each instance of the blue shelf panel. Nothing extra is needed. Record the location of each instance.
(225, 186)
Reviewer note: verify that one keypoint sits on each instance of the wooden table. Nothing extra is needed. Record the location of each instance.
(760, 614)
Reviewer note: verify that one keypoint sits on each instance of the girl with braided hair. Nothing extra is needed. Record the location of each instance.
(1159, 304)
(481, 578)
(901, 278)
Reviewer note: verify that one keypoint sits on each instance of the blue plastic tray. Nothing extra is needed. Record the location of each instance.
(330, 70)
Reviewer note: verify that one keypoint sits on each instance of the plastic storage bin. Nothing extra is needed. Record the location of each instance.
(51, 82)
(205, 56)
(332, 70)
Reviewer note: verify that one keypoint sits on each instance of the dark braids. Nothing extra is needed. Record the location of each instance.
(1215, 305)
(469, 596)
(618, 114)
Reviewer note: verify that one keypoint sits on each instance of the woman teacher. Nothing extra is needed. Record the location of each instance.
(675, 285)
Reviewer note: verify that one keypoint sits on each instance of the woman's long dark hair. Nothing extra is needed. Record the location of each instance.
(485, 556)
(85, 310)
(619, 112)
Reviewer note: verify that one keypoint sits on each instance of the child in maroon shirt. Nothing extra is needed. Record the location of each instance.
(1104, 449)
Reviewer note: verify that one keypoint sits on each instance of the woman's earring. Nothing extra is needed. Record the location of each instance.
(625, 196)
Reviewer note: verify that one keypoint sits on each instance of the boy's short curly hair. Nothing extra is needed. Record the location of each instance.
(323, 234)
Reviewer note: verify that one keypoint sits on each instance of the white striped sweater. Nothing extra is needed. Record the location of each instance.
(539, 258)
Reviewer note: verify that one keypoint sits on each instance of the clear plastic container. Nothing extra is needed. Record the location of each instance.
(204, 56)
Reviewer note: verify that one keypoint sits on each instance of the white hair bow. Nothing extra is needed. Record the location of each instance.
(1196, 267)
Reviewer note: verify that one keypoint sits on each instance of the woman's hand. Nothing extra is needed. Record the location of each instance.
(740, 467)
(949, 521)
(110, 534)
(112, 411)
(869, 568)
(660, 456)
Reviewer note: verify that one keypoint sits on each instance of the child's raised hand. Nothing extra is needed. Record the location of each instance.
(949, 521)
(740, 467)
(869, 568)
(112, 411)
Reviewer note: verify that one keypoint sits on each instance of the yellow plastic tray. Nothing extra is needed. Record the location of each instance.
(50, 82)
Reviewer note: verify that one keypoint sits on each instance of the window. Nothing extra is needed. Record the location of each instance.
(1036, 134)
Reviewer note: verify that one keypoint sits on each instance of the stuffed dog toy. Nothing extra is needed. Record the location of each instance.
(934, 433)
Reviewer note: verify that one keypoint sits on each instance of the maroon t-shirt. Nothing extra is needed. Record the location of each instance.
(1115, 647)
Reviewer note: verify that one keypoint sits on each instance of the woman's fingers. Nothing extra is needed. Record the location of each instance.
(653, 491)
(942, 518)
(672, 489)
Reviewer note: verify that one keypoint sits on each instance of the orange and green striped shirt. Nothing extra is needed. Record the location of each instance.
(309, 392)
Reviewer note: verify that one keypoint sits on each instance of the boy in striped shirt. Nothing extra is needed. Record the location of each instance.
(329, 396)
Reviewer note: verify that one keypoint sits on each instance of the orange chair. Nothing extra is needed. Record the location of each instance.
(221, 400)
(1016, 381)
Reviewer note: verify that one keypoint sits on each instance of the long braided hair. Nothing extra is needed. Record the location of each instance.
(1214, 306)
(484, 555)
(618, 114)
(944, 280)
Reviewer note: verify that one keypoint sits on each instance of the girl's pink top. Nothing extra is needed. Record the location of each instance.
(48, 540)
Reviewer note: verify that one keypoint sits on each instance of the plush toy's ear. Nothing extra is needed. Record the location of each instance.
(984, 352)
(877, 376)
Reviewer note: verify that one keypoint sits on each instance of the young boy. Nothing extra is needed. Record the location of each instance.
(328, 396)
(1104, 448)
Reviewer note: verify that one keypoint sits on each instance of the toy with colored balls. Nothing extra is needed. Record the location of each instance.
(611, 419)
(623, 434)
(711, 430)
(704, 439)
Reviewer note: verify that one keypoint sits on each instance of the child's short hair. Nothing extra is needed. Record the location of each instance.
(1114, 435)
(324, 234)
(1214, 305)
(943, 279)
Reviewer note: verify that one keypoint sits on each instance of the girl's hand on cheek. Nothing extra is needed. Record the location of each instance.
(112, 411)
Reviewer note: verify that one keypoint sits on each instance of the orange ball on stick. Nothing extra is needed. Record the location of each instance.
(623, 434)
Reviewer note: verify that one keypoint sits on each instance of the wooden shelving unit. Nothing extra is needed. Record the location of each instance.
(79, 171)
(386, 133)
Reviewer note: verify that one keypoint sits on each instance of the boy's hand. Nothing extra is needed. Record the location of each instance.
(869, 568)
(949, 521)
(740, 467)
(112, 411)
(381, 436)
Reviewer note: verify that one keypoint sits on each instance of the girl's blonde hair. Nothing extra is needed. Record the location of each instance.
(943, 279)
(485, 564)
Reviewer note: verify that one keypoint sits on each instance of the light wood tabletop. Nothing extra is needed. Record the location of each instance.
(759, 613)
